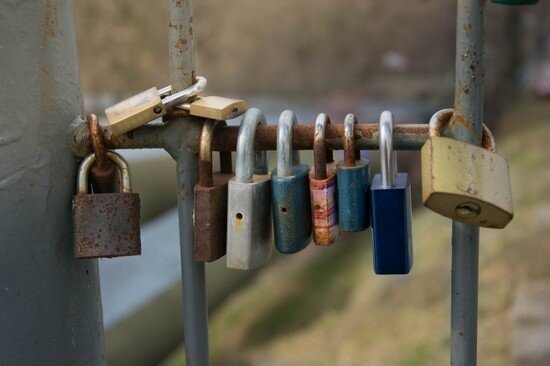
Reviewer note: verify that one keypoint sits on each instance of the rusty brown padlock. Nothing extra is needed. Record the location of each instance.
(210, 214)
(106, 224)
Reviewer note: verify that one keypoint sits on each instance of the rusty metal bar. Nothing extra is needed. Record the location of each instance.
(466, 125)
(182, 146)
(405, 137)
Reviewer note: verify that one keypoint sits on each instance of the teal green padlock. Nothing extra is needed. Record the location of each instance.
(353, 183)
(516, 2)
(290, 192)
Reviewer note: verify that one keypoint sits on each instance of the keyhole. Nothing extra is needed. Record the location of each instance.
(239, 216)
(283, 210)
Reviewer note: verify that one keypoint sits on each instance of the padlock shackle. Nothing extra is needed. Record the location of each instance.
(206, 176)
(286, 157)
(441, 119)
(172, 100)
(488, 140)
(83, 182)
(250, 162)
(388, 156)
(321, 155)
(98, 146)
(350, 154)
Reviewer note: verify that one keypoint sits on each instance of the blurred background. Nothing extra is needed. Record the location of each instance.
(325, 306)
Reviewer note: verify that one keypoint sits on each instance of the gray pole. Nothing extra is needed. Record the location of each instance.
(182, 73)
(466, 126)
(50, 309)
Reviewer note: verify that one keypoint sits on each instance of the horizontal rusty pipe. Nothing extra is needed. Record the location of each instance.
(145, 137)
(405, 137)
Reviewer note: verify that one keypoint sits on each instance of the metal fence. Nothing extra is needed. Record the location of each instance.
(61, 323)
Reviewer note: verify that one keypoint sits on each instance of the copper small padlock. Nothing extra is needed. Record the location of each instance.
(106, 224)
(210, 214)
(323, 188)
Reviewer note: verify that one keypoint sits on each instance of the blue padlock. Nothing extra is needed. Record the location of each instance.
(290, 192)
(353, 183)
(391, 209)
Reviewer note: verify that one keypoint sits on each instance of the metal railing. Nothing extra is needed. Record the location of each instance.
(180, 137)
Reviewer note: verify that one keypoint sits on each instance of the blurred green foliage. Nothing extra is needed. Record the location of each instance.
(324, 306)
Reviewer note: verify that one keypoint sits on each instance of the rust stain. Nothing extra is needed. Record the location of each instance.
(175, 26)
(50, 27)
(365, 132)
(181, 45)
(467, 29)
(457, 119)
(239, 222)
(182, 191)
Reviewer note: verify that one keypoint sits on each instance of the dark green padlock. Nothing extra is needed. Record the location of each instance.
(516, 2)
(290, 192)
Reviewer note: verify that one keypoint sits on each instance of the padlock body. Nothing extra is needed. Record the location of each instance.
(391, 216)
(353, 200)
(324, 208)
(106, 225)
(135, 111)
(455, 173)
(210, 219)
(291, 210)
(249, 224)
(217, 108)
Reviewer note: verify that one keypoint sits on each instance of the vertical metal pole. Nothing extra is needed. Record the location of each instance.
(466, 125)
(182, 74)
(181, 44)
(50, 308)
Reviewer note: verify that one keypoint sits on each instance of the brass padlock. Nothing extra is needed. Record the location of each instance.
(464, 182)
(147, 106)
(210, 212)
(106, 224)
(218, 108)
